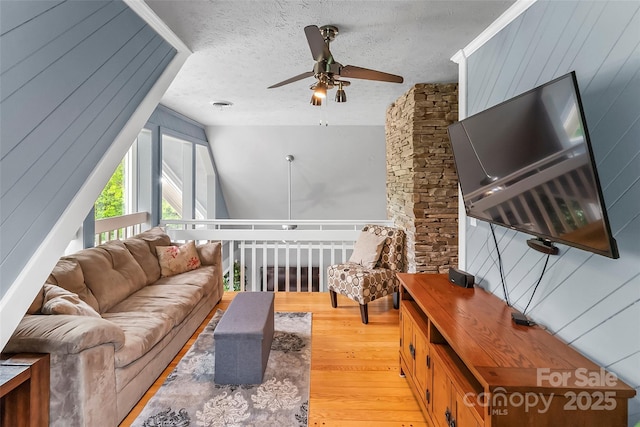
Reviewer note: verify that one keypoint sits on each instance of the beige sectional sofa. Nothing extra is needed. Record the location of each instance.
(101, 364)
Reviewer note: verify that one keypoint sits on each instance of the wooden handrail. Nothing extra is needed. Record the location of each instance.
(122, 221)
(259, 246)
(122, 226)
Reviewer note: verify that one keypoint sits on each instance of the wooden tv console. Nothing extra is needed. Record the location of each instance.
(468, 364)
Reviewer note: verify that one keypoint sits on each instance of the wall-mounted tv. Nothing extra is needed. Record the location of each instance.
(527, 164)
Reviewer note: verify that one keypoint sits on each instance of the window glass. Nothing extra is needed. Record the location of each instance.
(205, 184)
(115, 199)
(176, 181)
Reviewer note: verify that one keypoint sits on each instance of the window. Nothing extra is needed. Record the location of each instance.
(164, 176)
(177, 165)
(188, 180)
(117, 196)
(205, 184)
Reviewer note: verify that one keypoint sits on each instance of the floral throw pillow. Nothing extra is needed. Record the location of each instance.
(177, 259)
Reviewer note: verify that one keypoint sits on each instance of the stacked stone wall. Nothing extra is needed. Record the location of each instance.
(422, 185)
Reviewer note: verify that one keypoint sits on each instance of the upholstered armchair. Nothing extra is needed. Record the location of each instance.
(371, 271)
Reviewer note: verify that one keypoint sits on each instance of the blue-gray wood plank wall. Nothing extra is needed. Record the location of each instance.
(72, 74)
(589, 301)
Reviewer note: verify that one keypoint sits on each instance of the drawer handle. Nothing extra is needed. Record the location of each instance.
(447, 415)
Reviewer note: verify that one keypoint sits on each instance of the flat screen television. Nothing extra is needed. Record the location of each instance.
(527, 164)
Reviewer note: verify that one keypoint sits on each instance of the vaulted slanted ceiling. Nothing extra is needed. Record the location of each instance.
(242, 47)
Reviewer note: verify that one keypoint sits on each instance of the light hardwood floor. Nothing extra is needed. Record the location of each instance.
(355, 378)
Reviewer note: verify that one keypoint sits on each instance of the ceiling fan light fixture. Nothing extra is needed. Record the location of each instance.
(329, 72)
(341, 95)
(315, 101)
(320, 90)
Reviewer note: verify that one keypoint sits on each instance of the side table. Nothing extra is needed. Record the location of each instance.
(24, 390)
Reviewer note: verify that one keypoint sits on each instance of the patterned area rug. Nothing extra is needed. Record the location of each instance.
(189, 397)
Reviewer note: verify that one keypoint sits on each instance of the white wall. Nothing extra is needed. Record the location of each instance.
(339, 172)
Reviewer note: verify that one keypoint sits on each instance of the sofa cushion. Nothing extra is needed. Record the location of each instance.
(203, 277)
(68, 275)
(36, 304)
(176, 301)
(148, 259)
(111, 272)
(177, 259)
(209, 253)
(154, 237)
(141, 332)
(60, 301)
(141, 251)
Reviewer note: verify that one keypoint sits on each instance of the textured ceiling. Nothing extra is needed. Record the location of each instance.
(242, 47)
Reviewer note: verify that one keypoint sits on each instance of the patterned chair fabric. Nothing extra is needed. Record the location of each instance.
(365, 285)
(360, 284)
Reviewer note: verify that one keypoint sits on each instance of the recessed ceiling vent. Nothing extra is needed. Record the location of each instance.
(221, 105)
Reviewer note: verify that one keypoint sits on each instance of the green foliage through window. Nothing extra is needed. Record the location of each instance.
(110, 203)
(168, 212)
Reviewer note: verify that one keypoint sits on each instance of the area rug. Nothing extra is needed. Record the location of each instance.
(189, 397)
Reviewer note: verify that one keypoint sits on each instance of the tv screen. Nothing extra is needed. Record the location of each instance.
(527, 164)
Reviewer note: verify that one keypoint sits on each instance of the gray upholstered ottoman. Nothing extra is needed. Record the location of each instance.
(243, 339)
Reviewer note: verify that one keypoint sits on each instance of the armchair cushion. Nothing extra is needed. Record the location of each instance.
(367, 249)
(392, 256)
(361, 284)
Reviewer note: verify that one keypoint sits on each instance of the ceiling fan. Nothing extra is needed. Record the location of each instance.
(328, 72)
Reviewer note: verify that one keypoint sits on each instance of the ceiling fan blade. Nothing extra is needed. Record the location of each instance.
(319, 49)
(353, 72)
(293, 79)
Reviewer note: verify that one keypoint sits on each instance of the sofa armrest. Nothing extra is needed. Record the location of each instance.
(63, 334)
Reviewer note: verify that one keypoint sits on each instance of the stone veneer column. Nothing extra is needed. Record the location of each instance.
(422, 185)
